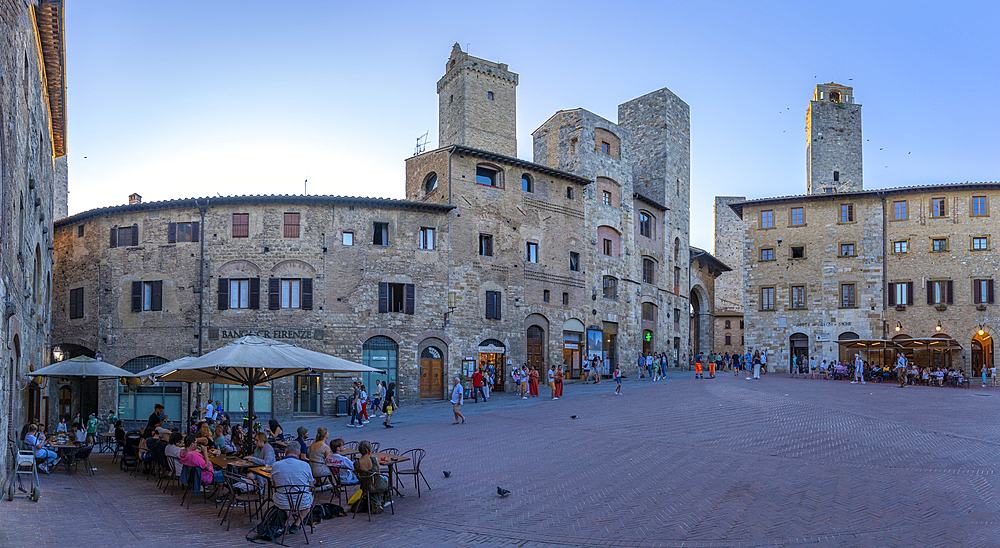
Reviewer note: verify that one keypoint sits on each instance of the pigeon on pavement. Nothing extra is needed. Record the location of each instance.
(572, 416)
(447, 473)
(502, 492)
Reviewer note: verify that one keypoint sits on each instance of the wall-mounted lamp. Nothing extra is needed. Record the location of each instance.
(937, 327)
(982, 329)
(899, 326)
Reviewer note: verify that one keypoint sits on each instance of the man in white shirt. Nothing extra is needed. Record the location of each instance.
(859, 370)
(210, 411)
(901, 369)
(457, 394)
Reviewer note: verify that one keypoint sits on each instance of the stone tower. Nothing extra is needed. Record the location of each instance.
(729, 249)
(476, 104)
(833, 149)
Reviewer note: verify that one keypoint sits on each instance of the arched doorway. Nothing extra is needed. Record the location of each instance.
(846, 355)
(492, 358)
(380, 352)
(982, 353)
(798, 345)
(431, 373)
(701, 322)
(536, 348)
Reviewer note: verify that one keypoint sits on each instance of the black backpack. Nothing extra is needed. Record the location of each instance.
(270, 527)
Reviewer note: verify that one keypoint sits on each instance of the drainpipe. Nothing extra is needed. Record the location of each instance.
(201, 290)
(885, 265)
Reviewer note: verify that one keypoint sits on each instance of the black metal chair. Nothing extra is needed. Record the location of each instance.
(82, 454)
(173, 477)
(294, 496)
(130, 452)
(412, 468)
(233, 495)
(191, 480)
(365, 481)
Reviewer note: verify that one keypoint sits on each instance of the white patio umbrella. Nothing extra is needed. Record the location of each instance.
(81, 366)
(251, 361)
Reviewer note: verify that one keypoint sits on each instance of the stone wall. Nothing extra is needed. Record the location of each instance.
(729, 250)
(30, 176)
(728, 324)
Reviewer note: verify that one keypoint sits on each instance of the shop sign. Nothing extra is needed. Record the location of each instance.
(286, 333)
(490, 349)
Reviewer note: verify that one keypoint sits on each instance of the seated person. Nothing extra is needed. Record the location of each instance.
(219, 439)
(173, 448)
(273, 430)
(318, 453)
(236, 438)
(293, 471)
(263, 455)
(367, 463)
(346, 465)
(197, 457)
(47, 458)
(204, 434)
(120, 432)
(303, 432)
(77, 433)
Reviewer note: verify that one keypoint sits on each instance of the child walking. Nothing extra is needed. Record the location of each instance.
(618, 379)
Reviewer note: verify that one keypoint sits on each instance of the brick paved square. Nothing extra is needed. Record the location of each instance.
(715, 462)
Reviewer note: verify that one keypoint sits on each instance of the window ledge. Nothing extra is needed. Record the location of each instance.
(940, 307)
(803, 225)
(847, 222)
(900, 307)
(981, 307)
(847, 307)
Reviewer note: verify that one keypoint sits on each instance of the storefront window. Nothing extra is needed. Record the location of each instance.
(381, 353)
(137, 402)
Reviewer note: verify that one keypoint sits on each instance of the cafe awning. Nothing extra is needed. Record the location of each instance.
(868, 344)
(934, 343)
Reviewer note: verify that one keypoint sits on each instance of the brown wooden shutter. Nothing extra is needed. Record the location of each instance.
(307, 294)
(136, 296)
(892, 295)
(135, 234)
(254, 293)
(273, 293)
(114, 236)
(950, 300)
(909, 293)
(930, 292)
(172, 233)
(195, 229)
(989, 295)
(223, 293)
(497, 304)
(383, 297)
(977, 296)
(490, 307)
(157, 296)
(409, 298)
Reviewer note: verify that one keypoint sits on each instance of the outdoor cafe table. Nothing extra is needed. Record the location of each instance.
(390, 461)
(65, 449)
(223, 462)
(264, 472)
(104, 441)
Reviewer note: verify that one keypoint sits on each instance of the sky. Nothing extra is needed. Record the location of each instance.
(181, 99)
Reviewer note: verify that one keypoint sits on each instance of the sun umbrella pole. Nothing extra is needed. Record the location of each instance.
(250, 415)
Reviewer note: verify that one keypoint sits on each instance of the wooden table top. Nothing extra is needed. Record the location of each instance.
(389, 458)
(223, 462)
(63, 445)
(261, 471)
(107, 434)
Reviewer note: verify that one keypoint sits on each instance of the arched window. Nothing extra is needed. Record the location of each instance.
(609, 241)
(610, 287)
(431, 182)
(488, 175)
(430, 353)
(382, 353)
(527, 183)
(647, 224)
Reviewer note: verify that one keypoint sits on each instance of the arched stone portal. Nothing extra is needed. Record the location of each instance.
(702, 321)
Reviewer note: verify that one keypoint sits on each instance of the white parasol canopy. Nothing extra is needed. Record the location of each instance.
(81, 366)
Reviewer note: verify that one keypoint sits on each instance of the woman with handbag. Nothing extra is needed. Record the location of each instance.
(379, 482)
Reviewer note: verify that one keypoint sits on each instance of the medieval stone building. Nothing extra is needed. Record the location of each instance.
(910, 266)
(33, 176)
(490, 261)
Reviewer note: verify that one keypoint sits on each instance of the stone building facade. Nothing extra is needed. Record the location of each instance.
(491, 261)
(914, 266)
(33, 175)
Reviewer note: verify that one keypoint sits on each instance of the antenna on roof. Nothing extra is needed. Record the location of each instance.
(421, 144)
(305, 187)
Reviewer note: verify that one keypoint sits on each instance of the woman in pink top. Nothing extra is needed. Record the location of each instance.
(196, 456)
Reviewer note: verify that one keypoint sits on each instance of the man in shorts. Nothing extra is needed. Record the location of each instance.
(457, 395)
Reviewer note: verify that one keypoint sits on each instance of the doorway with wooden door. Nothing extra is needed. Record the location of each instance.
(536, 350)
(431, 373)
(65, 402)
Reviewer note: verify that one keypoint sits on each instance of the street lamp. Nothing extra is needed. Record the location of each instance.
(898, 326)
(938, 327)
(57, 353)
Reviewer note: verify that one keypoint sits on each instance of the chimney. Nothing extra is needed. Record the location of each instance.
(134, 198)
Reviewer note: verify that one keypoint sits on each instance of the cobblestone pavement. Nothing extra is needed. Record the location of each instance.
(716, 462)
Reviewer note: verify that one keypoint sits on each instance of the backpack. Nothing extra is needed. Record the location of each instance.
(271, 526)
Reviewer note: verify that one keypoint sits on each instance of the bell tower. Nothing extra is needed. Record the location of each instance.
(833, 146)
(477, 104)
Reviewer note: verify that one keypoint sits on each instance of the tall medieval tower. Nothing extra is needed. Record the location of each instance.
(477, 104)
(833, 148)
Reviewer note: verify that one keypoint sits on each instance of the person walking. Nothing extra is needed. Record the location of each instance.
(901, 369)
(364, 404)
(649, 366)
(356, 407)
(641, 362)
(552, 382)
(477, 386)
(711, 366)
(697, 367)
(488, 383)
(515, 377)
(618, 379)
(859, 370)
(794, 370)
(389, 404)
(457, 393)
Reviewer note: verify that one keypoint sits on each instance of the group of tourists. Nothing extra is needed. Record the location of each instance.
(525, 381)
(652, 366)
(382, 399)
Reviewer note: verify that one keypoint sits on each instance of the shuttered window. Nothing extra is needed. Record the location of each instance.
(493, 305)
(982, 291)
(900, 293)
(122, 236)
(394, 297)
(147, 296)
(288, 293)
(241, 225)
(291, 225)
(939, 292)
(239, 293)
(76, 303)
(183, 232)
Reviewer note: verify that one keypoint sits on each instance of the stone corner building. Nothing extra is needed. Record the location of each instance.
(912, 265)
(490, 260)
(33, 175)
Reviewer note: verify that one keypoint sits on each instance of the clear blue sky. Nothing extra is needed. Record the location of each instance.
(179, 99)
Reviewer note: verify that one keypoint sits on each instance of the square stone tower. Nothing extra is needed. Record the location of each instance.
(729, 229)
(833, 148)
(476, 104)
